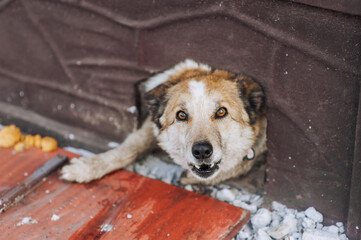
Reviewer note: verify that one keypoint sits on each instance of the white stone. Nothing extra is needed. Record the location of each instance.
(287, 227)
(319, 226)
(290, 211)
(279, 232)
(331, 229)
(261, 219)
(188, 188)
(313, 214)
(226, 195)
(343, 237)
(244, 197)
(300, 215)
(243, 235)
(262, 235)
(153, 167)
(291, 221)
(308, 223)
(250, 207)
(246, 231)
(278, 207)
(339, 224)
(167, 180)
(316, 234)
(141, 169)
(256, 198)
(297, 235)
(276, 219)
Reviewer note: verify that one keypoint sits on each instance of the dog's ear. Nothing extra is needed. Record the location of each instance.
(156, 100)
(253, 97)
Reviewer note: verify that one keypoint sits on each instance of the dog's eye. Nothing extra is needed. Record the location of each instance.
(222, 112)
(182, 116)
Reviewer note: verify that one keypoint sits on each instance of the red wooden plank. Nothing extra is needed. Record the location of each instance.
(132, 206)
(15, 167)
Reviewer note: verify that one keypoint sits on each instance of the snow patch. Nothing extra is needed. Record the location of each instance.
(106, 228)
(71, 136)
(55, 217)
(113, 144)
(26, 221)
(132, 109)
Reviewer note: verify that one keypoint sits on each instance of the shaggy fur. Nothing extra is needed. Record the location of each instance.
(207, 120)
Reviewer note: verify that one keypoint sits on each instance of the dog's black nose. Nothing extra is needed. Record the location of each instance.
(202, 150)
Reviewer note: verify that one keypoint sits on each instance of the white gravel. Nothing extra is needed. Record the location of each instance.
(279, 222)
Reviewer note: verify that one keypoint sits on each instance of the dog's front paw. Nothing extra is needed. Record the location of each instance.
(79, 170)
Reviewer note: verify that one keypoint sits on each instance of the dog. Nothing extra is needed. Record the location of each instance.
(209, 121)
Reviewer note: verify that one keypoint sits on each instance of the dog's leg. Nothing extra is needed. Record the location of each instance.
(86, 169)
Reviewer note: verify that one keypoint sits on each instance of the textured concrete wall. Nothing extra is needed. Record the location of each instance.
(77, 62)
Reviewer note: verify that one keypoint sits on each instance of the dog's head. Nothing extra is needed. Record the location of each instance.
(206, 120)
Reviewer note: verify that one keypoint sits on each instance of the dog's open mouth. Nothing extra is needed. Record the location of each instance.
(205, 170)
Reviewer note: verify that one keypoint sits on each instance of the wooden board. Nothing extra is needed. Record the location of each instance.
(123, 205)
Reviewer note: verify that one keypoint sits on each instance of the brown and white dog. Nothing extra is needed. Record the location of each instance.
(209, 121)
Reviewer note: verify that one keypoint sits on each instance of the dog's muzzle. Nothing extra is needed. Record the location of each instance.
(205, 170)
(202, 152)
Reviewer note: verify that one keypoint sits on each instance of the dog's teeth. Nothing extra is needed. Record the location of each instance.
(212, 165)
(198, 166)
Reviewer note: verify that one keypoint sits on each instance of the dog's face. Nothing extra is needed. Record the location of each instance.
(206, 120)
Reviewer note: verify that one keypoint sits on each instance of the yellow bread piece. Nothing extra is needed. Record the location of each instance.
(49, 144)
(29, 141)
(37, 141)
(19, 147)
(9, 135)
